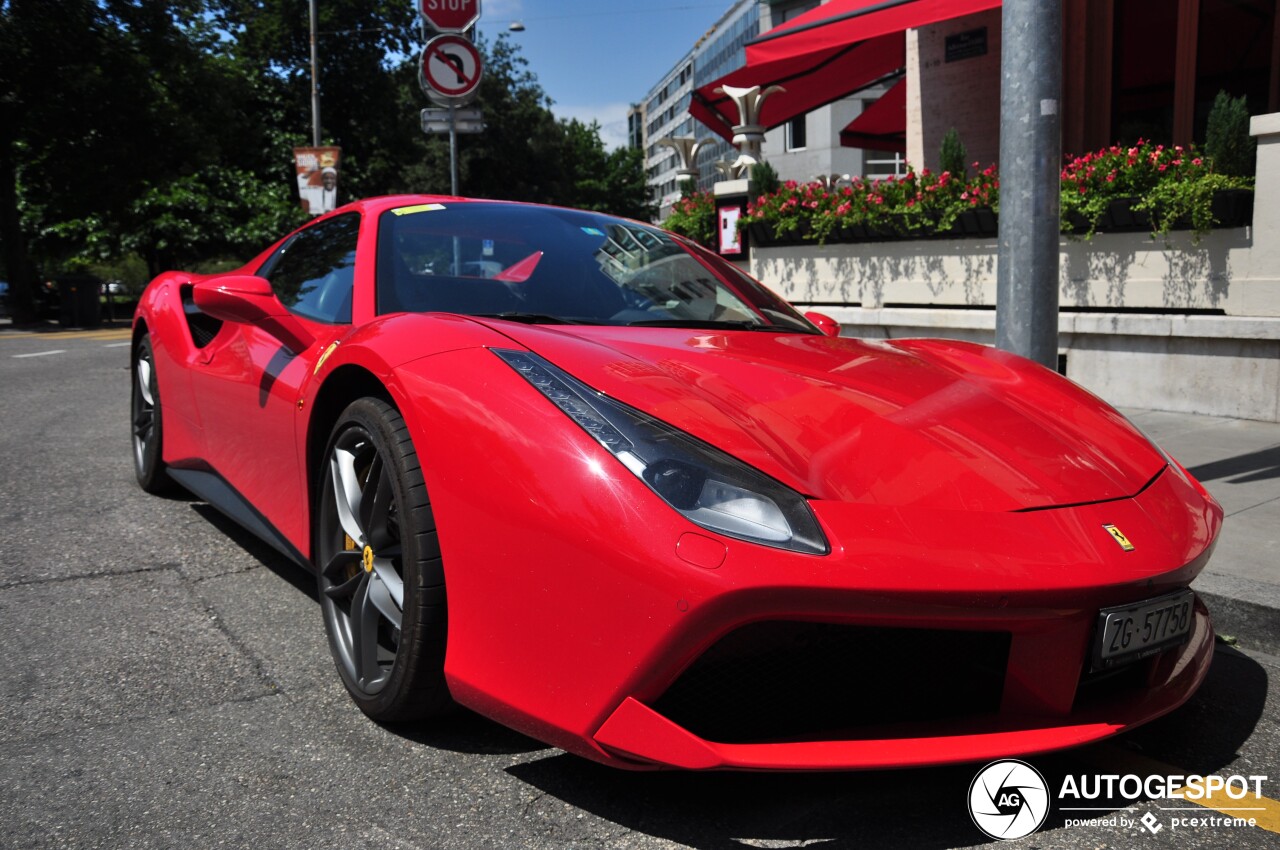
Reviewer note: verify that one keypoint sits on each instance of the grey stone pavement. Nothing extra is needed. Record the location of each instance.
(1238, 461)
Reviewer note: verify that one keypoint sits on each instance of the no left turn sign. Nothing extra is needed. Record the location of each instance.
(450, 69)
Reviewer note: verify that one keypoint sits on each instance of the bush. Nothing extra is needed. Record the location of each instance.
(764, 179)
(952, 155)
(694, 216)
(1227, 141)
(919, 203)
(1173, 184)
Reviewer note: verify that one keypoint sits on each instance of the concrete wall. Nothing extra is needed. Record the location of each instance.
(1169, 323)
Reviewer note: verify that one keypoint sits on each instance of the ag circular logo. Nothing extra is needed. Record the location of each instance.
(1008, 799)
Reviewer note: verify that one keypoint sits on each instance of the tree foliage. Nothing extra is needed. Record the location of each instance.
(1227, 141)
(163, 129)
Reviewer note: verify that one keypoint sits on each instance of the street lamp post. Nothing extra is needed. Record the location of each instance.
(315, 82)
(1030, 158)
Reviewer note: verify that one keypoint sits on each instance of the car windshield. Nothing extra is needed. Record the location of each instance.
(557, 266)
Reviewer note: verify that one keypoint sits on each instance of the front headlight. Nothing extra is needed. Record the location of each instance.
(707, 486)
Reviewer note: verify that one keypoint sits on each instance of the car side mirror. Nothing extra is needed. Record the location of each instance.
(824, 323)
(249, 299)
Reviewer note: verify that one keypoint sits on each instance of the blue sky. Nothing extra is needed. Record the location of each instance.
(595, 57)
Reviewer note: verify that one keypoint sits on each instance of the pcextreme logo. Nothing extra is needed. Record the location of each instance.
(1008, 799)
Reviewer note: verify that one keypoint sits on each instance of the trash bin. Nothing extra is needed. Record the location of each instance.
(80, 307)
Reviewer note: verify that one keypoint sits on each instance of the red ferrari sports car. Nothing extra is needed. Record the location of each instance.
(592, 481)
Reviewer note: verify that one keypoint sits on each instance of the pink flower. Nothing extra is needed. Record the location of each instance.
(1197, 161)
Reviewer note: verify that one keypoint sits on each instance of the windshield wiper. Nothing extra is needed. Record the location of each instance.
(530, 318)
(712, 324)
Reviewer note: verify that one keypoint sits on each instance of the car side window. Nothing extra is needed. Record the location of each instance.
(314, 273)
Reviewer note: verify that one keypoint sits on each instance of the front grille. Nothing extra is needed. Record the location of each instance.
(1098, 688)
(790, 681)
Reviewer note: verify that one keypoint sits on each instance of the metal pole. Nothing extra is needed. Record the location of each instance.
(315, 83)
(453, 150)
(1030, 160)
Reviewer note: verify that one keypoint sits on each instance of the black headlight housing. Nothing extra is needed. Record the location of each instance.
(707, 486)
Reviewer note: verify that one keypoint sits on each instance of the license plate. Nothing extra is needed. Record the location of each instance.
(1129, 633)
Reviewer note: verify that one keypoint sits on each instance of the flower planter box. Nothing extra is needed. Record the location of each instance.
(979, 221)
(1231, 208)
(1121, 217)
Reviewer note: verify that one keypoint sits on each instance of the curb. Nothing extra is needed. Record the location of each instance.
(1243, 608)
(1256, 627)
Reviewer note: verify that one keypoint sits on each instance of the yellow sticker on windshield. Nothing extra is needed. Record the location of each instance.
(418, 208)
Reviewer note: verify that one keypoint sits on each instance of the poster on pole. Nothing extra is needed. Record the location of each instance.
(317, 173)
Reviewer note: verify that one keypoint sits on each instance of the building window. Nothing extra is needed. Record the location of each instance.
(887, 165)
(797, 134)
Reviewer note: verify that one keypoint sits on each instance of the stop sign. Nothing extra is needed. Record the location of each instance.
(449, 15)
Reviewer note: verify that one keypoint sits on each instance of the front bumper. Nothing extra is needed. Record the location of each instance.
(639, 734)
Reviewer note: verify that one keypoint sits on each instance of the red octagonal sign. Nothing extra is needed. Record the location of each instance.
(450, 15)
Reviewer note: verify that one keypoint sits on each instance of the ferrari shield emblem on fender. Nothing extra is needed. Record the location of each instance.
(1119, 537)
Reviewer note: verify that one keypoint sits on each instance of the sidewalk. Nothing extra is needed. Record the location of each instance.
(1239, 462)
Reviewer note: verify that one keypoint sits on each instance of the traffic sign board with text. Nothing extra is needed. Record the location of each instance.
(450, 15)
(462, 121)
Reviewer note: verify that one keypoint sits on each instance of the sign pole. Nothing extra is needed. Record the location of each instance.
(315, 86)
(453, 149)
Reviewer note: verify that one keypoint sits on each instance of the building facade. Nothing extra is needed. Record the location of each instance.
(666, 115)
(801, 150)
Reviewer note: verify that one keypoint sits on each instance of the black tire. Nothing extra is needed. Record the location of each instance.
(381, 545)
(147, 423)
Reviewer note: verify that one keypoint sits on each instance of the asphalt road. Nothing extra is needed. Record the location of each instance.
(166, 683)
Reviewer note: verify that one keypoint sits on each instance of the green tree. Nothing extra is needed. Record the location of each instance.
(163, 129)
(359, 79)
(105, 103)
(952, 155)
(1227, 141)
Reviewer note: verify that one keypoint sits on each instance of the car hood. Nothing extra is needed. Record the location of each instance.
(928, 423)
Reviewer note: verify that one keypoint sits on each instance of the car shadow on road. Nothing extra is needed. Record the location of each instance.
(1252, 466)
(464, 731)
(719, 811)
(296, 576)
(920, 808)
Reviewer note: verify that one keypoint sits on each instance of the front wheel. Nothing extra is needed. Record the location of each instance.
(147, 424)
(380, 576)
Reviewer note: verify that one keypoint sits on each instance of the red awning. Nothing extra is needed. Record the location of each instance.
(809, 81)
(843, 22)
(882, 126)
(830, 52)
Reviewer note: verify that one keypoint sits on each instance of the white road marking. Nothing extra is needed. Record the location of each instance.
(41, 353)
(117, 345)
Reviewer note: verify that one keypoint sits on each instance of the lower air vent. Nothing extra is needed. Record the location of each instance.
(794, 681)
